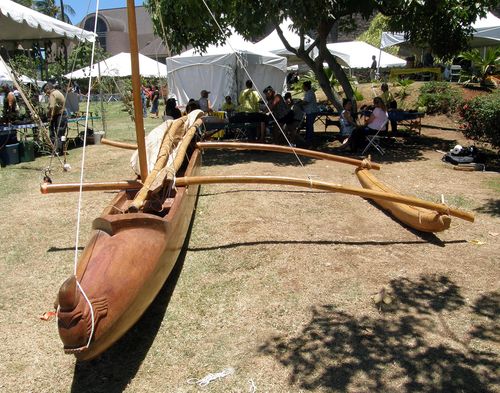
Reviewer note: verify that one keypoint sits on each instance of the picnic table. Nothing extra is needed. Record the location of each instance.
(410, 119)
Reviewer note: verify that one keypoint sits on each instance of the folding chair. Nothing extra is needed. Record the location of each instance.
(455, 72)
(374, 140)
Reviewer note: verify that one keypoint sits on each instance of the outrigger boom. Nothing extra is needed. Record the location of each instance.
(264, 147)
(279, 180)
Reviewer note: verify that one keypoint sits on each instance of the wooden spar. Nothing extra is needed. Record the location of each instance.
(261, 146)
(170, 140)
(441, 208)
(136, 88)
(289, 150)
(46, 188)
(122, 145)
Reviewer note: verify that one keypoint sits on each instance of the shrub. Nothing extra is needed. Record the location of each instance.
(438, 97)
(480, 118)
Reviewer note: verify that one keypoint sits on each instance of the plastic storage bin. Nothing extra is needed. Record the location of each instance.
(10, 154)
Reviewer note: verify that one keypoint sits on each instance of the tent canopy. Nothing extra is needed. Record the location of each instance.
(120, 65)
(272, 43)
(220, 71)
(486, 33)
(358, 54)
(21, 23)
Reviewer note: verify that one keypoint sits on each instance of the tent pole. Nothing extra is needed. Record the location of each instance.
(100, 95)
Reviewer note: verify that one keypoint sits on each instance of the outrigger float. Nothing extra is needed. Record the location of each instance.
(137, 239)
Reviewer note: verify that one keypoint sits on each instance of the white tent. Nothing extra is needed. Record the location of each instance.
(21, 23)
(219, 71)
(486, 33)
(6, 73)
(272, 43)
(358, 54)
(120, 65)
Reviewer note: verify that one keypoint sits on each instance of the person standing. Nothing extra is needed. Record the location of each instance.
(391, 105)
(373, 68)
(248, 112)
(57, 119)
(10, 109)
(310, 109)
(155, 101)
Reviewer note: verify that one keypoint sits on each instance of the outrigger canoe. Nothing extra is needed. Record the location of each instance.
(127, 260)
(418, 218)
(137, 239)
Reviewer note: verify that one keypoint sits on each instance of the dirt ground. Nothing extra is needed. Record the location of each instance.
(280, 283)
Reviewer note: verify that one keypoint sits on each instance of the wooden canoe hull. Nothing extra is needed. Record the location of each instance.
(122, 269)
(418, 218)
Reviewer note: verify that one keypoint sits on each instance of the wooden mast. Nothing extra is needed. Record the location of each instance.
(136, 89)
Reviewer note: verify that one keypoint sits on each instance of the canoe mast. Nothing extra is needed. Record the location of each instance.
(136, 89)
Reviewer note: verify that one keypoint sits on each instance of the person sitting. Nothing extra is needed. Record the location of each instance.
(204, 102)
(281, 114)
(374, 122)
(171, 109)
(228, 106)
(347, 122)
(298, 115)
(192, 105)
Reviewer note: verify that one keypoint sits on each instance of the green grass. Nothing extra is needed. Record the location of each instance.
(493, 184)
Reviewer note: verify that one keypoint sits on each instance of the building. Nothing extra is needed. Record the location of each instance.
(113, 33)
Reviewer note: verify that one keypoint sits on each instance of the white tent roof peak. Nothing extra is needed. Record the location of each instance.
(120, 65)
(272, 43)
(235, 43)
(21, 23)
(222, 70)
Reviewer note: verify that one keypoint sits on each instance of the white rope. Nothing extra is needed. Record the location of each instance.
(82, 168)
(92, 317)
(240, 60)
(211, 377)
(80, 193)
(253, 386)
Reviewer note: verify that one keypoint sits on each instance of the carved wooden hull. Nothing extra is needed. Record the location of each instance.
(421, 219)
(122, 269)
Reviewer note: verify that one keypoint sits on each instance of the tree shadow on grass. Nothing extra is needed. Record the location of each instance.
(234, 157)
(115, 368)
(340, 352)
(492, 208)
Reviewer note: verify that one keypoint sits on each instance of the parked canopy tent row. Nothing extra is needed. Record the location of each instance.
(119, 66)
(19, 23)
(486, 33)
(219, 71)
